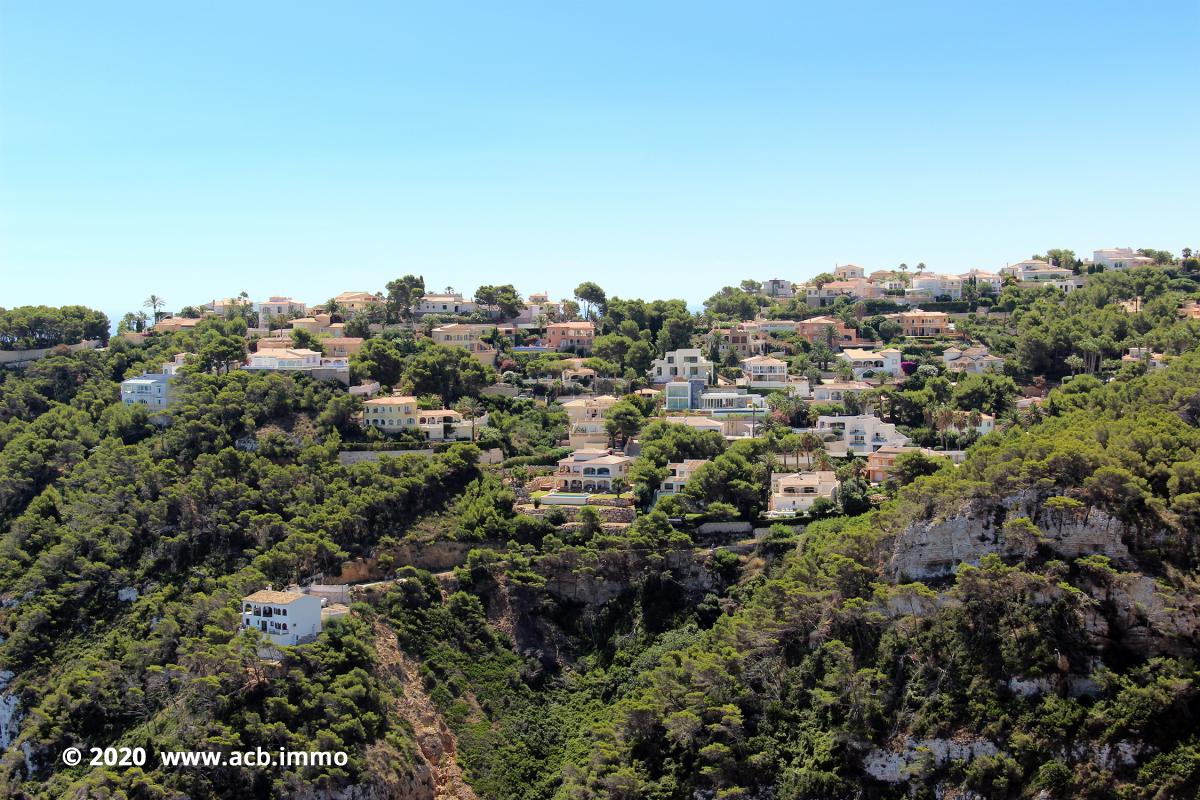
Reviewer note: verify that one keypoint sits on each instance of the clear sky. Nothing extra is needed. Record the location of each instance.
(662, 149)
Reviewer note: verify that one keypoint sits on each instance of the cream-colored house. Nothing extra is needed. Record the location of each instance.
(469, 337)
(797, 491)
(592, 471)
(863, 361)
(586, 418)
(975, 359)
(357, 301)
(836, 391)
(391, 414)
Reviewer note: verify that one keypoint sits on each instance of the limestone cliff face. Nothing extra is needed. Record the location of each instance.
(935, 548)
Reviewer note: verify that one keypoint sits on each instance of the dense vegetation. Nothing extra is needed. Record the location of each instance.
(33, 327)
(574, 655)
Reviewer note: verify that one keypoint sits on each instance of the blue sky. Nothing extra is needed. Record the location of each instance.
(660, 149)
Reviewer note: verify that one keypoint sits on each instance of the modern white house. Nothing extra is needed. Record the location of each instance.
(275, 307)
(778, 287)
(153, 389)
(685, 363)
(862, 361)
(150, 390)
(797, 491)
(683, 395)
(287, 618)
(862, 433)
(721, 402)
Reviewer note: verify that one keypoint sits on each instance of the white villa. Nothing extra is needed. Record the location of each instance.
(295, 360)
(874, 361)
(592, 471)
(862, 433)
(150, 390)
(797, 491)
(836, 391)
(449, 303)
(684, 363)
(768, 372)
(287, 618)
(153, 389)
(1120, 258)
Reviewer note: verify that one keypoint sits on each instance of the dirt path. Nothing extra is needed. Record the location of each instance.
(434, 738)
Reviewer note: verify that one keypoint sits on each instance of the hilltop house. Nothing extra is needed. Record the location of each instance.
(448, 303)
(354, 302)
(1120, 258)
(778, 287)
(287, 618)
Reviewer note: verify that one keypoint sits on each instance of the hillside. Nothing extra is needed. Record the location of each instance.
(1024, 624)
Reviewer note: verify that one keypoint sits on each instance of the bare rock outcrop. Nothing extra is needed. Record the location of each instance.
(936, 547)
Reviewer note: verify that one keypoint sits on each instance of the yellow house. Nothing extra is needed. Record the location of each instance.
(391, 414)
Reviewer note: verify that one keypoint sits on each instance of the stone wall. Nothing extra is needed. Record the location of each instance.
(12, 358)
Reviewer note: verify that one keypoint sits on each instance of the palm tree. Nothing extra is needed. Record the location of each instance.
(470, 408)
(810, 443)
(155, 304)
(943, 420)
(333, 308)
